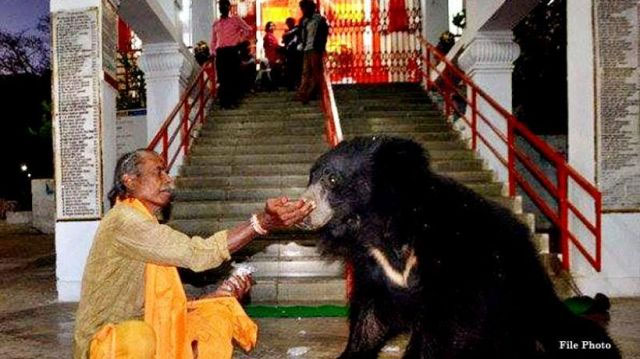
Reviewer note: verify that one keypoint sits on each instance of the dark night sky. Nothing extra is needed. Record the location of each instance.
(18, 15)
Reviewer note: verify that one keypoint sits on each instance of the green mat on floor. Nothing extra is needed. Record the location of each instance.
(263, 311)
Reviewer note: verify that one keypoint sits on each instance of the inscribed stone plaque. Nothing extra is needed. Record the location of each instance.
(618, 102)
(109, 38)
(77, 74)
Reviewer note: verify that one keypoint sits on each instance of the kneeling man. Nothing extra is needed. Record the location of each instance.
(133, 304)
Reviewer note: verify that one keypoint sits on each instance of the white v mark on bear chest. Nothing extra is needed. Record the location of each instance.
(396, 277)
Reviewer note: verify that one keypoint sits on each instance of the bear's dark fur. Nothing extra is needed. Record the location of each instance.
(477, 289)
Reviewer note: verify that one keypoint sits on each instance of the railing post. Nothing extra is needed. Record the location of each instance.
(446, 93)
(474, 118)
(185, 126)
(165, 145)
(511, 158)
(202, 85)
(563, 212)
(428, 68)
(598, 234)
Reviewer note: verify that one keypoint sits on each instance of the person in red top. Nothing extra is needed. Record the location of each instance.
(272, 51)
(271, 44)
(226, 33)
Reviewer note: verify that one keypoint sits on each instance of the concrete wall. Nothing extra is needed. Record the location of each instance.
(131, 131)
(620, 275)
(43, 204)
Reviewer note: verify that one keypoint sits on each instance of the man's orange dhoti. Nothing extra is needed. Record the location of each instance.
(214, 323)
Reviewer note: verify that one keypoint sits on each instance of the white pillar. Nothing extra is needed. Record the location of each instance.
(488, 61)
(84, 127)
(167, 71)
(201, 20)
(435, 19)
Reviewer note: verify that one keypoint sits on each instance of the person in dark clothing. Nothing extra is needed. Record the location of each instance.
(446, 42)
(247, 67)
(227, 32)
(293, 56)
(315, 31)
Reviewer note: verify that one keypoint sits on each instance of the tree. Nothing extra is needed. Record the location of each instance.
(25, 97)
(25, 52)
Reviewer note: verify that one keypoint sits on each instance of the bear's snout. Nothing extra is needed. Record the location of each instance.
(323, 211)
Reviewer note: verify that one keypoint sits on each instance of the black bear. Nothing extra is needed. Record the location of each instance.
(435, 259)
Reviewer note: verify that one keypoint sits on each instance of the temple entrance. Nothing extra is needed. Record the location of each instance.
(371, 41)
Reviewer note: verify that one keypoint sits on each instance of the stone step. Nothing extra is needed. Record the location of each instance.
(212, 148)
(385, 106)
(252, 159)
(260, 117)
(359, 127)
(340, 93)
(297, 180)
(389, 102)
(529, 219)
(207, 226)
(317, 130)
(541, 242)
(343, 99)
(514, 204)
(444, 166)
(249, 141)
(275, 102)
(442, 134)
(382, 120)
(347, 113)
(250, 194)
(215, 210)
(287, 290)
(439, 166)
(273, 129)
(301, 266)
(294, 247)
(304, 158)
(247, 170)
(275, 124)
(242, 111)
(242, 181)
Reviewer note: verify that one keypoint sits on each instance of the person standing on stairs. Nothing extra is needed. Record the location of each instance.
(293, 56)
(132, 303)
(226, 34)
(315, 31)
(273, 51)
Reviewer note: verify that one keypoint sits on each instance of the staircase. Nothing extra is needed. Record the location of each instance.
(266, 148)
(241, 157)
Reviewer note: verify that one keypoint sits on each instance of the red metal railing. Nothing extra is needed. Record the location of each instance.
(196, 97)
(442, 75)
(333, 130)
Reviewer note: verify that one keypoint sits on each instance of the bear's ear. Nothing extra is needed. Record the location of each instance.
(400, 172)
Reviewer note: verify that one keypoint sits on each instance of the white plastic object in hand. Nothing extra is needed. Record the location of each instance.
(255, 224)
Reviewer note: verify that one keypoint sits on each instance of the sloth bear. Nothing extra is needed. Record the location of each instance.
(435, 259)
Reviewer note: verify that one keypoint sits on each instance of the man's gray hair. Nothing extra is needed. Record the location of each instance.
(127, 165)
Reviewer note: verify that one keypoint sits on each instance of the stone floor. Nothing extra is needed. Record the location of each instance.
(34, 325)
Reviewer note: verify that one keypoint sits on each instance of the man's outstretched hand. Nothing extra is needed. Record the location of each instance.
(283, 213)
